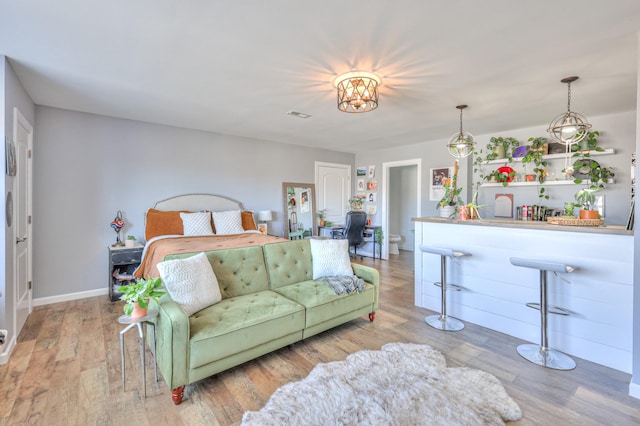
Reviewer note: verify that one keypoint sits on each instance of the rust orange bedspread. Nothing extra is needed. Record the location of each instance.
(158, 249)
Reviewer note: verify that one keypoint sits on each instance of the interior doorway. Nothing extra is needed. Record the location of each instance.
(401, 201)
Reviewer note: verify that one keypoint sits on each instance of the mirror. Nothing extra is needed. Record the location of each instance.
(299, 201)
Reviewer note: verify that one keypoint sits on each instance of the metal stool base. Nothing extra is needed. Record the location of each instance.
(444, 323)
(549, 358)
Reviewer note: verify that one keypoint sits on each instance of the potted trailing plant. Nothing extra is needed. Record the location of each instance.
(586, 198)
(321, 214)
(499, 147)
(137, 296)
(130, 241)
(534, 155)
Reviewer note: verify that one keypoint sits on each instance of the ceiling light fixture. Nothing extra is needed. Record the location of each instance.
(357, 91)
(461, 144)
(570, 127)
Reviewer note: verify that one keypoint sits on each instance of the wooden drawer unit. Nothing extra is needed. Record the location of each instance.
(122, 261)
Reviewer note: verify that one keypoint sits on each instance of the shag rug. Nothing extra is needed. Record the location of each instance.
(402, 384)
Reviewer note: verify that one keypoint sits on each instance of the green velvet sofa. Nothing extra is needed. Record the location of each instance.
(269, 300)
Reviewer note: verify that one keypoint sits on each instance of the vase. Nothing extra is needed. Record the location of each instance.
(463, 213)
(589, 214)
(499, 152)
(447, 211)
(129, 243)
(138, 312)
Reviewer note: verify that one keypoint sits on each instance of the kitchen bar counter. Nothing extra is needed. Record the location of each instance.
(599, 293)
(530, 224)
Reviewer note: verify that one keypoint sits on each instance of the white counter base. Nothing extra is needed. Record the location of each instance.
(599, 295)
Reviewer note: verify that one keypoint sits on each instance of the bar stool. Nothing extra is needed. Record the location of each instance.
(542, 354)
(442, 321)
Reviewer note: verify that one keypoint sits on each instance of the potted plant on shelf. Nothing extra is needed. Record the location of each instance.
(499, 147)
(534, 155)
(137, 296)
(586, 198)
(130, 242)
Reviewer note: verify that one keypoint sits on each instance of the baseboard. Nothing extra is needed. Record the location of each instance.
(634, 389)
(70, 296)
(6, 349)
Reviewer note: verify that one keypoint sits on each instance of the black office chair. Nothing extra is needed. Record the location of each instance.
(354, 229)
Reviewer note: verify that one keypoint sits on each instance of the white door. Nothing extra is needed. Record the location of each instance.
(23, 134)
(333, 184)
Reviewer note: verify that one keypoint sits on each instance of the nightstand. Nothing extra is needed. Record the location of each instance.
(122, 262)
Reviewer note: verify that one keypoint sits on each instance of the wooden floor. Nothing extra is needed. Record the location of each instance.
(66, 368)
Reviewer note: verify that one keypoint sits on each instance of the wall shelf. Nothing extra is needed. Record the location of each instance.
(545, 183)
(608, 151)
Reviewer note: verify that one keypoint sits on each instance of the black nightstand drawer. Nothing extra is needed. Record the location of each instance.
(126, 257)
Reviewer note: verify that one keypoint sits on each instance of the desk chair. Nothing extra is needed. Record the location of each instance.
(354, 229)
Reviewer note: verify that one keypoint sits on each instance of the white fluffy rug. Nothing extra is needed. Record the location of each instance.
(402, 384)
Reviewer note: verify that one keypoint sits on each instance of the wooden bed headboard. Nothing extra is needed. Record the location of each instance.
(198, 202)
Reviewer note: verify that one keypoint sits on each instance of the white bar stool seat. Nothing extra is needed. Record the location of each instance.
(443, 321)
(542, 354)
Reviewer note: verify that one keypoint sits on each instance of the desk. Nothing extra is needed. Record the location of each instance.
(369, 235)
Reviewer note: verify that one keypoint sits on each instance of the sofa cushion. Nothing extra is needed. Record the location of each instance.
(190, 282)
(330, 258)
(322, 303)
(241, 323)
(288, 262)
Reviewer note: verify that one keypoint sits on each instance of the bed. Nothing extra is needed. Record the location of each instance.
(167, 222)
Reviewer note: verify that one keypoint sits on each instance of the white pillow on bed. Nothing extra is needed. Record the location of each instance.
(330, 258)
(228, 222)
(196, 223)
(190, 282)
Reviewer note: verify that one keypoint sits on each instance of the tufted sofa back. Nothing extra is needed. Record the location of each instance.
(288, 262)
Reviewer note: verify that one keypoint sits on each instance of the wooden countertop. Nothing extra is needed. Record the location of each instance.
(521, 224)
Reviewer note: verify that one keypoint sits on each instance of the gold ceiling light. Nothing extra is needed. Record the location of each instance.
(357, 91)
(570, 127)
(461, 144)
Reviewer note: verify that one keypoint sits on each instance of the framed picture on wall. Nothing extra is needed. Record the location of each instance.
(438, 175)
(10, 157)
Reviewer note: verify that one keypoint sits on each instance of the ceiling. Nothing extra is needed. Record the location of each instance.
(237, 67)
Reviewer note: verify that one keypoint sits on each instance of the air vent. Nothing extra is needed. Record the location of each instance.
(298, 114)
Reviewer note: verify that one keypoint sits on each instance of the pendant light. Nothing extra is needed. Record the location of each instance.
(570, 127)
(461, 144)
(357, 91)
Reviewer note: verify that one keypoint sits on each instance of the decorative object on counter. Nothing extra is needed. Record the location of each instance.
(503, 206)
(499, 147)
(357, 91)
(264, 216)
(117, 224)
(137, 296)
(461, 143)
(451, 197)
(130, 241)
(570, 127)
(586, 199)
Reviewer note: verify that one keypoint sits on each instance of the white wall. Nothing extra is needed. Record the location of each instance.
(13, 95)
(86, 167)
(634, 387)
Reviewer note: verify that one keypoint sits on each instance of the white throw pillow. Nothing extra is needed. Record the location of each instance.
(330, 258)
(190, 282)
(228, 222)
(196, 223)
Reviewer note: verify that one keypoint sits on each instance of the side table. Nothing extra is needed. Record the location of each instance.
(137, 322)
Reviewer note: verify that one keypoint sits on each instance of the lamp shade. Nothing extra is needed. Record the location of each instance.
(265, 216)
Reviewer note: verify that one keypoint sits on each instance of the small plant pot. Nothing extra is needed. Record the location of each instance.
(322, 223)
(463, 213)
(129, 243)
(589, 214)
(138, 312)
(499, 152)
(530, 178)
(447, 211)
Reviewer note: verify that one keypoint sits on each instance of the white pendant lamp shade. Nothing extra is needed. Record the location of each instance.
(570, 127)
(461, 143)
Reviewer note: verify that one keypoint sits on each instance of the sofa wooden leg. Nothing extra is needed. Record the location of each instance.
(372, 316)
(177, 394)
